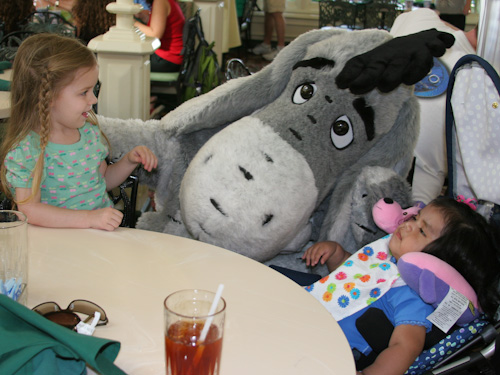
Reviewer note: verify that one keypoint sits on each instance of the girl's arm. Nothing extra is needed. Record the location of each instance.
(406, 343)
(159, 13)
(118, 172)
(49, 216)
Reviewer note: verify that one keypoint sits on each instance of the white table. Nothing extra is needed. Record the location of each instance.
(273, 326)
(5, 96)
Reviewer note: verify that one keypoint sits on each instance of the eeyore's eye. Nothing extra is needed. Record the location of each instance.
(303, 93)
(341, 132)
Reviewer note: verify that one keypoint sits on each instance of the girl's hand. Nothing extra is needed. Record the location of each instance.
(319, 252)
(143, 155)
(105, 218)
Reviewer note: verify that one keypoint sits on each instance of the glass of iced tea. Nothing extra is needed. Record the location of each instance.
(186, 313)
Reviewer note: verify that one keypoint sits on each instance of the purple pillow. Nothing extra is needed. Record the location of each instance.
(432, 278)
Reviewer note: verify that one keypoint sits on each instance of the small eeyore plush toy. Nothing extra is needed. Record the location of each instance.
(299, 151)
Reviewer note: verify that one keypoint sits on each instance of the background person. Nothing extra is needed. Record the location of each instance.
(166, 22)
(91, 18)
(12, 14)
(273, 20)
(454, 11)
(430, 152)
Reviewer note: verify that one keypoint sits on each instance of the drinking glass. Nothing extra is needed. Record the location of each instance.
(14, 255)
(186, 352)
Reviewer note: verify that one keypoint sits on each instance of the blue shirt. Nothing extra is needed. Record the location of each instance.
(400, 304)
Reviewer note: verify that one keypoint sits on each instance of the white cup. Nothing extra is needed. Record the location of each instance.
(14, 255)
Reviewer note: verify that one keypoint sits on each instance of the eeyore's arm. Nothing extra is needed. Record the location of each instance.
(240, 97)
(124, 135)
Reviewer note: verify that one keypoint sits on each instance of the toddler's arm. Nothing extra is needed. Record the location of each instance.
(329, 252)
(406, 343)
(118, 172)
(46, 215)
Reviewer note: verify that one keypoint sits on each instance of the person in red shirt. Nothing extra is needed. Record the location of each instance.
(165, 22)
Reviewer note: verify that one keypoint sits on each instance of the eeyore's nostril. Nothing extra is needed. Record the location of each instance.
(328, 99)
(313, 120)
(247, 174)
(267, 219)
(208, 158)
(217, 207)
(268, 158)
(296, 134)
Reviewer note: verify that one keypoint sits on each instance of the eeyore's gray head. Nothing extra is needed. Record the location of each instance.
(293, 136)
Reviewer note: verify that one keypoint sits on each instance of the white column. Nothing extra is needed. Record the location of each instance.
(124, 66)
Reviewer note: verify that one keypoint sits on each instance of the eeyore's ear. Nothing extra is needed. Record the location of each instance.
(241, 97)
(405, 59)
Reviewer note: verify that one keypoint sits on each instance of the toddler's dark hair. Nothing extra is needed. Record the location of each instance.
(470, 245)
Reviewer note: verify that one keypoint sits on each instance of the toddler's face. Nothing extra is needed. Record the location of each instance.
(416, 233)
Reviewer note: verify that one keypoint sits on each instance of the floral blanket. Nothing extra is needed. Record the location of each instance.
(367, 275)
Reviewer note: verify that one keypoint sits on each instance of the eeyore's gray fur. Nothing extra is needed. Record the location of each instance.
(256, 165)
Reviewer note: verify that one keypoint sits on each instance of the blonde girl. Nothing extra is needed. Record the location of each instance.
(53, 155)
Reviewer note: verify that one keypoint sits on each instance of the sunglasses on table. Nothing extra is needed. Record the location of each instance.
(69, 317)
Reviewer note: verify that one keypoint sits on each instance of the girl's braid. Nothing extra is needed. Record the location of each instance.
(44, 99)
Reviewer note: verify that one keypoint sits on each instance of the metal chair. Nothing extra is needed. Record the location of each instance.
(48, 21)
(11, 42)
(126, 193)
(337, 13)
(381, 14)
(236, 68)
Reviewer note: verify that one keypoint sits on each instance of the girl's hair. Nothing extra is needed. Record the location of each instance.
(43, 66)
(470, 245)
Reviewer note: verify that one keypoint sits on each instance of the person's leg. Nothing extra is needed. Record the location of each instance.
(279, 24)
(265, 47)
(268, 27)
(457, 20)
(276, 9)
(164, 66)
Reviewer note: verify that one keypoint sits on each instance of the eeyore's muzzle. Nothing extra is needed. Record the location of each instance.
(248, 174)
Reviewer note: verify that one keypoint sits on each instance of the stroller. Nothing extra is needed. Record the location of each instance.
(473, 135)
(473, 144)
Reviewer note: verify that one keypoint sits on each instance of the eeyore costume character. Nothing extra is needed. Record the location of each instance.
(299, 151)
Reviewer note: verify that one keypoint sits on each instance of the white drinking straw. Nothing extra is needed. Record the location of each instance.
(208, 323)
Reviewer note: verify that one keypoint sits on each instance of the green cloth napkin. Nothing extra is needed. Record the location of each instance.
(4, 85)
(31, 344)
(5, 65)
